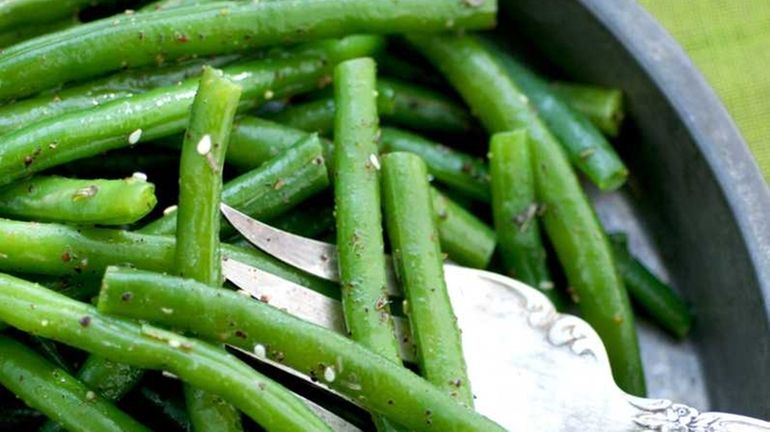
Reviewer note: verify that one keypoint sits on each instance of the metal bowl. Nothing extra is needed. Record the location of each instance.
(696, 206)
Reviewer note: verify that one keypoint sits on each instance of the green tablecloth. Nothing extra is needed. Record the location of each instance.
(729, 40)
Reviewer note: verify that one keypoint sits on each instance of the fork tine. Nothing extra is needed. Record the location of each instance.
(314, 257)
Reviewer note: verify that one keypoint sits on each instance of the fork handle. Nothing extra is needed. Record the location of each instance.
(660, 415)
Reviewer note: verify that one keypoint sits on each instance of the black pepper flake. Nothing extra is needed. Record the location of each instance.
(85, 321)
(127, 296)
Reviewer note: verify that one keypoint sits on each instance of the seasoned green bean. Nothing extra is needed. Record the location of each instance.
(378, 384)
(515, 210)
(59, 199)
(603, 106)
(570, 222)
(585, 145)
(98, 92)
(656, 298)
(357, 204)
(34, 309)
(20, 34)
(57, 394)
(467, 240)
(197, 229)
(163, 111)
(255, 141)
(397, 103)
(270, 190)
(419, 265)
(221, 27)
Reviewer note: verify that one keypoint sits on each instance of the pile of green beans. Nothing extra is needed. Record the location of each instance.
(398, 128)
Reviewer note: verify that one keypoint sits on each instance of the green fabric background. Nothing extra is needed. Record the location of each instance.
(729, 40)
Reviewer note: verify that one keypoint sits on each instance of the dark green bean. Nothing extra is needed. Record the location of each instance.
(20, 34)
(221, 27)
(34, 309)
(570, 222)
(397, 103)
(255, 141)
(585, 145)
(163, 111)
(378, 384)
(603, 106)
(515, 211)
(59, 199)
(23, 13)
(311, 219)
(419, 265)
(656, 298)
(197, 229)
(56, 393)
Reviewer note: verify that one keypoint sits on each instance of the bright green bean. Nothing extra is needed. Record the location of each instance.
(357, 204)
(59, 199)
(585, 145)
(603, 106)
(163, 111)
(378, 384)
(270, 190)
(419, 265)
(656, 298)
(570, 222)
(467, 240)
(197, 229)
(217, 28)
(397, 103)
(34, 309)
(57, 394)
(515, 211)
(22, 13)
(255, 141)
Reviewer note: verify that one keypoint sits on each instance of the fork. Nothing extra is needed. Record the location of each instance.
(530, 367)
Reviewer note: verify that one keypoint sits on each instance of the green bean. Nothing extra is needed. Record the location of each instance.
(59, 199)
(585, 145)
(109, 378)
(197, 231)
(466, 239)
(221, 27)
(20, 34)
(98, 92)
(570, 222)
(312, 219)
(603, 106)
(357, 203)
(163, 111)
(270, 190)
(656, 298)
(34, 309)
(56, 393)
(21, 13)
(61, 250)
(397, 103)
(419, 265)
(378, 384)
(459, 171)
(171, 4)
(515, 211)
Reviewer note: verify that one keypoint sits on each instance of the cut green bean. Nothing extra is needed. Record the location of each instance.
(378, 384)
(163, 111)
(570, 222)
(62, 250)
(98, 92)
(270, 190)
(397, 103)
(217, 28)
(57, 394)
(419, 265)
(34, 309)
(583, 143)
(357, 203)
(656, 298)
(515, 211)
(467, 240)
(59, 199)
(197, 229)
(603, 106)
(459, 171)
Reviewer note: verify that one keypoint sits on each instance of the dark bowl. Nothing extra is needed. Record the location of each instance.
(696, 189)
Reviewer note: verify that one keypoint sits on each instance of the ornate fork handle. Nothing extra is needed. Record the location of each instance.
(662, 415)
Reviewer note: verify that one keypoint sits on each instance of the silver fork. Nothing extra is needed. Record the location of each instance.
(531, 368)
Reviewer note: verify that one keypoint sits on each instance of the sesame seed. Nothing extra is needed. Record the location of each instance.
(269, 94)
(85, 192)
(260, 351)
(90, 395)
(168, 374)
(170, 209)
(204, 145)
(134, 136)
(174, 343)
(375, 161)
(167, 311)
(139, 176)
(44, 323)
(329, 374)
